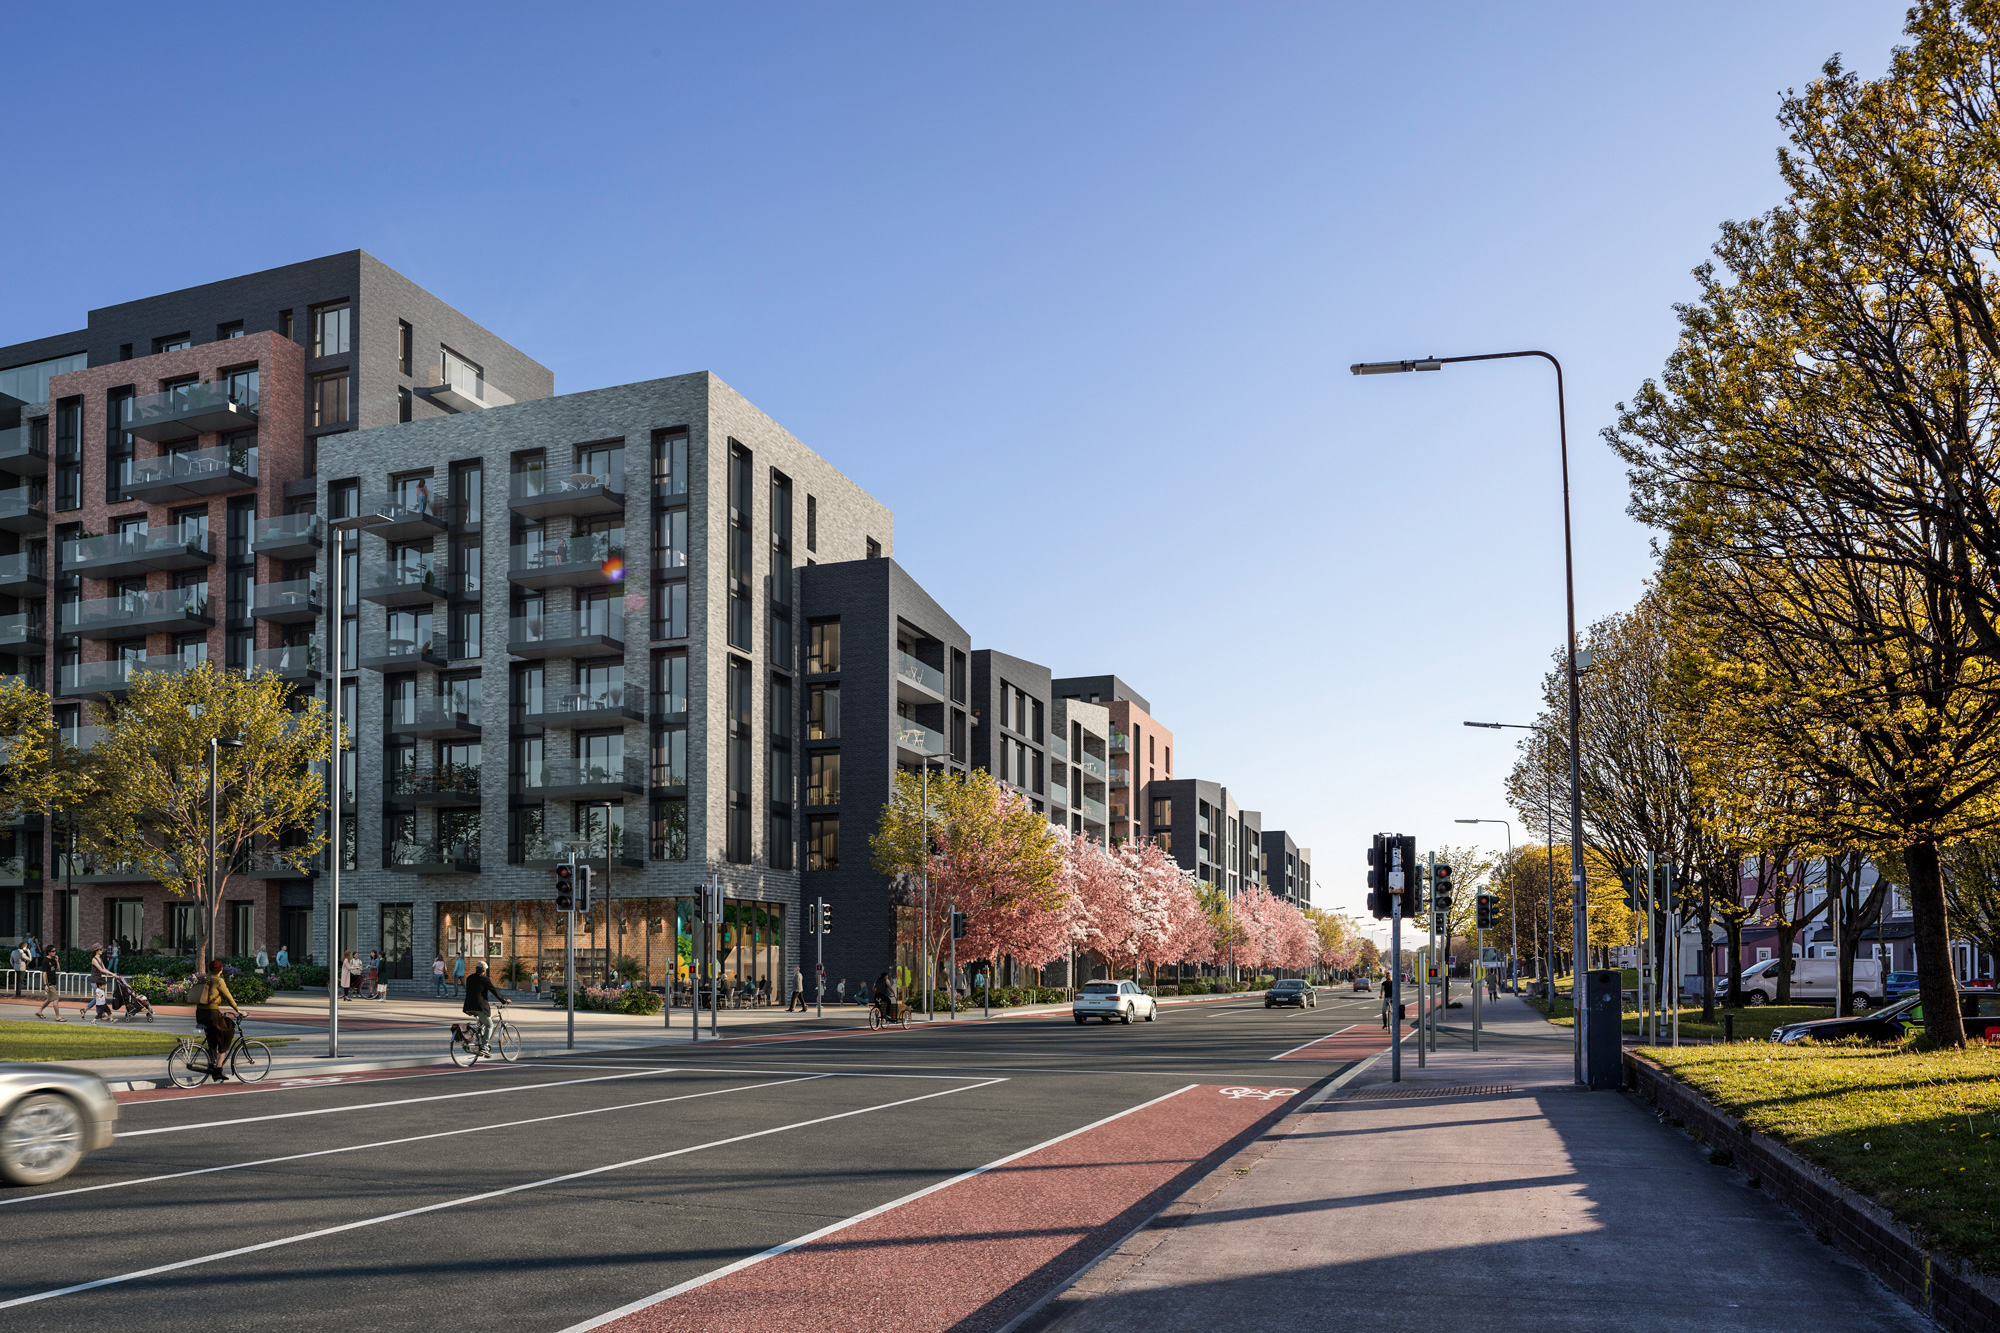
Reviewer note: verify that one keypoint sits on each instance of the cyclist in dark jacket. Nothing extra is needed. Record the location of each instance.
(480, 992)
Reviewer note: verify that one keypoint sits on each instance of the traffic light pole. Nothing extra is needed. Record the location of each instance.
(1478, 977)
(1395, 997)
(819, 956)
(569, 970)
(951, 977)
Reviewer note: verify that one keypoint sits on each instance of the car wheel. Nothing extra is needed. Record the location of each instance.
(1125, 1015)
(1756, 997)
(41, 1139)
(1079, 1019)
(1860, 1002)
(1267, 1004)
(1152, 1012)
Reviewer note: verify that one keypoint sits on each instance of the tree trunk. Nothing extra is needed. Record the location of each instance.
(1732, 929)
(1707, 953)
(1936, 981)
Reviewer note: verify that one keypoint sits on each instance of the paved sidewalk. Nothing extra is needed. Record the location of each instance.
(1538, 1205)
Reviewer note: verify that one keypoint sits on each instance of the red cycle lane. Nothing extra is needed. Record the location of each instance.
(1350, 1043)
(971, 1254)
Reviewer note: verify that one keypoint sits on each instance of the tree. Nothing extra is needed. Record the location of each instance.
(1367, 958)
(1972, 891)
(32, 778)
(151, 806)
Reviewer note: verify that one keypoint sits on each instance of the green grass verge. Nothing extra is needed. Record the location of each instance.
(1917, 1131)
(28, 1040)
(1754, 1024)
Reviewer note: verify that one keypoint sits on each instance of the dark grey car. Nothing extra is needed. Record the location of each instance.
(1299, 993)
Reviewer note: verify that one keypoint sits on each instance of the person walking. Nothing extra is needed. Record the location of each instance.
(1492, 984)
(437, 975)
(51, 997)
(480, 993)
(374, 971)
(17, 961)
(798, 1000)
(458, 973)
(100, 975)
(284, 959)
(1388, 999)
(841, 990)
(114, 954)
(209, 993)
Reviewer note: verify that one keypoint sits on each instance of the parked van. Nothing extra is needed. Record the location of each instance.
(1813, 979)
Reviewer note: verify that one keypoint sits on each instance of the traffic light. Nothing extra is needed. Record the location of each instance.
(958, 925)
(565, 888)
(1484, 911)
(1392, 875)
(825, 917)
(1634, 880)
(583, 888)
(1441, 887)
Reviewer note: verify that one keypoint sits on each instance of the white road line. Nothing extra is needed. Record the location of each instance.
(331, 1078)
(376, 1106)
(414, 1138)
(842, 1225)
(1314, 1042)
(323, 1232)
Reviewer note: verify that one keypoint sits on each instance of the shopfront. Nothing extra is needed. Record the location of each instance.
(644, 940)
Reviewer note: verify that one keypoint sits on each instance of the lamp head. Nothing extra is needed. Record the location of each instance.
(1490, 726)
(1394, 367)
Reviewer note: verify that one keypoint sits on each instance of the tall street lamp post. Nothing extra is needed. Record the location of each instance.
(216, 745)
(1577, 909)
(924, 929)
(337, 849)
(1513, 912)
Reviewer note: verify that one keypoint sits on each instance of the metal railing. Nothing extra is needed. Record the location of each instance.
(181, 400)
(432, 851)
(542, 483)
(288, 659)
(296, 595)
(601, 618)
(584, 548)
(69, 985)
(448, 780)
(287, 530)
(581, 774)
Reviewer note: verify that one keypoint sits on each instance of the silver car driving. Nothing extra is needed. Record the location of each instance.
(50, 1116)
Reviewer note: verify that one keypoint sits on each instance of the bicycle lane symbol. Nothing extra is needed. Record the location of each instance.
(1261, 1094)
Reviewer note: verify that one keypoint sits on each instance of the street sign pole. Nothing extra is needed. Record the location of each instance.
(1395, 997)
(951, 977)
(1431, 963)
(1649, 972)
(819, 961)
(714, 939)
(1673, 977)
(1478, 977)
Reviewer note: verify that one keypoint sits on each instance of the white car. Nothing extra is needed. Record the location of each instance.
(1106, 1000)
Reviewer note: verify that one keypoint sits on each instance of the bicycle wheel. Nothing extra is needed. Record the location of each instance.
(181, 1068)
(463, 1052)
(250, 1061)
(506, 1042)
(874, 1018)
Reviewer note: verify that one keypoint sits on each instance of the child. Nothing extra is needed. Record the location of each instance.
(100, 1004)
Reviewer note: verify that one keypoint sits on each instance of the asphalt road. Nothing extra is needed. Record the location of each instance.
(549, 1194)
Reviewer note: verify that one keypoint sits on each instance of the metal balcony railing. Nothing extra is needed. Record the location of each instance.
(138, 551)
(294, 661)
(296, 601)
(289, 536)
(562, 778)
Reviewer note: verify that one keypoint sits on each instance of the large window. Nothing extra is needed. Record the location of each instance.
(741, 569)
(329, 399)
(780, 595)
(823, 842)
(670, 539)
(783, 792)
(740, 762)
(823, 777)
(823, 647)
(330, 328)
(823, 713)
(670, 465)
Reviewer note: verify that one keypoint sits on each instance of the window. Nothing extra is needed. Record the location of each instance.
(173, 342)
(330, 327)
(823, 713)
(1163, 811)
(233, 329)
(670, 829)
(670, 619)
(404, 403)
(739, 762)
(329, 399)
(670, 686)
(812, 523)
(670, 539)
(285, 324)
(781, 781)
(780, 595)
(958, 676)
(823, 777)
(740, 565)
(117, 445)
(874, 549)
(670, 464)
(823, 842)
(405, 347)
(468, 491)
(823, 647)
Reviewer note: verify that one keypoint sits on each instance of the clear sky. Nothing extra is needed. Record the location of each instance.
(1072, 288)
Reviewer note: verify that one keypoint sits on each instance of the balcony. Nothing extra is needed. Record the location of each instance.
(1058, 790)
(293, 603)
(438, 717)
(549, 851)
(293, 661)
(605, 708)
(1094, 767)
(412, 516)
(23, 632)
(1059, 748)
(403, 652)
(22, 510)
(290, 537)
(112, 679)
(1093, 810)
(19, 453)
(267, 865)
(90, 869)
(433, 857)
(1121, 777)
(16, 871)
(454, 785)
(1120, 743)
(580, 779)
(190, 409)
(918, 681)
(161, 611)
(462, 388)
(84, 739)
(408, 583)
(137, 552)
(915, 741)
(193, 473)
(541, 493)
(569, 562)
(600, 632)
(24, 575)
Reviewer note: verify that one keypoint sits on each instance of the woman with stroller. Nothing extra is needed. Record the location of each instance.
(100, 975)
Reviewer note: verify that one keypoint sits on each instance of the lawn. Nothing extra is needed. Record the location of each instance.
(26, 1040)
(1753, 1024)
(1917, 1131)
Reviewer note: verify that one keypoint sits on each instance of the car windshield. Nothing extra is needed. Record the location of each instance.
(1902, 978)
(1101, 988)
(1290, 985)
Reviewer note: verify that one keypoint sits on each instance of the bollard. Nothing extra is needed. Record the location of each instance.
(1729, 1027)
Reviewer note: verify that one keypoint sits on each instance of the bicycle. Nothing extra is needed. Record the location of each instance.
(188, 1066)
(504, 1040)
(877, 1020)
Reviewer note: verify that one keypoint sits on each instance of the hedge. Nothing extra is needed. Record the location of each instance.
(610, 1000)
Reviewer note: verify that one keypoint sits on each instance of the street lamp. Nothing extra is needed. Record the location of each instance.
(216, 745)
(1580, 926)
(1513, 911)
(337, 849)
(924, 928)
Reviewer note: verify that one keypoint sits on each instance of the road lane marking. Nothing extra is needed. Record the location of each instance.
(811, 1236)
(323, 1232)
(1302, 1045)
(414, 1138)
(376, 1106)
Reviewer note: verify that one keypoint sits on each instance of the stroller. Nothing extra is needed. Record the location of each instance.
(129, 1003)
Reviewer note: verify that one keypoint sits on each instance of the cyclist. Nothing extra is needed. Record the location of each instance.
(480, 992)
(209, 994)
(885, 997)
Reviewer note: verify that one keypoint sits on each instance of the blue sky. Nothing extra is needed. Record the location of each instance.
(1072, 288)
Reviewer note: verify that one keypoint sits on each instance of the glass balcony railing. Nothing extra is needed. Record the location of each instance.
(293, 660)
(453, 783)
(1059, 748)
(157, 611)
(535, 636)
(85, 739)
(24, 629)
(435, 856)
(270, 865)
(19, 454)
(585, 708)
(194, 472)
(1092, 809)
(137, 551)
(19, 571)
(918, 737)
(385, 651)
(289, 536)
(410, 513)
(548, 483)
(1094, 766)
(409, 580)
(22, 509)
(1058, 788)
(568, 561)
(559, 778)
(296, 600)
(190, 409)
(462, 387)
(433, 715)
(85, 679)
(1120, 743)
(920, 673)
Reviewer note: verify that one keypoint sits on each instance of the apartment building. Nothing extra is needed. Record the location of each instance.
(1287, 868)
(1080, 750)
(621, 678)
(1142, 750)
(1010, 723)
(165, 459)
(886, 689)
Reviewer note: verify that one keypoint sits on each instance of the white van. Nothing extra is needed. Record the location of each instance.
(1813, 979)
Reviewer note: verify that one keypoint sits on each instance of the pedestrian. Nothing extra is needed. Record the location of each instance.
(841, 990)
(437, 975)
(347, 969)
(100, 975)
(1388, 999)
(100, 1002)
(1492, 984)
(798, 991)
(263, 962)
(114, 954)
(51, 996)
(374, 971)
(17, 961)
(284, 958)
(458, 973)
(209, 993)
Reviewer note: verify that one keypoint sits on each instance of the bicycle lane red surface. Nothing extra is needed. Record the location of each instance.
(1350, 1043)
(977, 1251)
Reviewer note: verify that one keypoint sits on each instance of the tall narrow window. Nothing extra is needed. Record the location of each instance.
(823, 842)
(405, 347)
(330, 328)
(740, 560)
(823, 647)
(781, 571)
(783, 793)
(739, 762)
(812, 522)
(874, 549)
(670, 464)
(329, 399)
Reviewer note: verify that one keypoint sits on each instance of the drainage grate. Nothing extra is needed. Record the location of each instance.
(1405, 1094)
